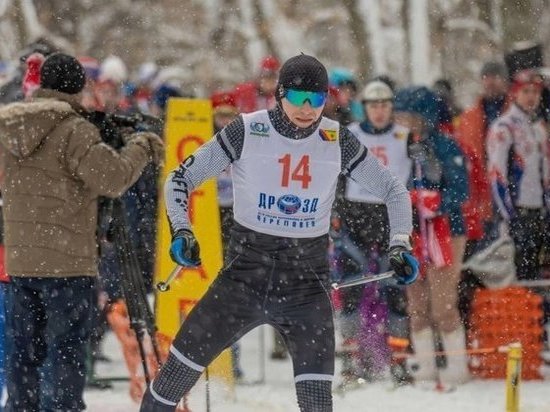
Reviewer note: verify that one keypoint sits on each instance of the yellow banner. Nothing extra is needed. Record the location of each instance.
(188, 125)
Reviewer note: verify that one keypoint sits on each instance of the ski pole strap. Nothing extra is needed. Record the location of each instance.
(366, 278)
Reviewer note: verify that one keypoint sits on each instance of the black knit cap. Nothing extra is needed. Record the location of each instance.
(63, 73)
(303, 72)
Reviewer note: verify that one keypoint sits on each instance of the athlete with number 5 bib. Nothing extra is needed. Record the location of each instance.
(285, 166)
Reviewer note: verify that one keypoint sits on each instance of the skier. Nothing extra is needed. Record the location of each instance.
(365, 312)
(285, 165)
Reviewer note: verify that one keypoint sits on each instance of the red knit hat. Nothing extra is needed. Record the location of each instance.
(269, 65)
(31, 79)
(224, 102)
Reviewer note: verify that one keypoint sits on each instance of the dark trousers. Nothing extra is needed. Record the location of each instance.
(47, 329)
(527, 230)
(266, 280)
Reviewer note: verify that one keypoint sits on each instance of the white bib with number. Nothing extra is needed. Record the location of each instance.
(284, 186)
(391, 150)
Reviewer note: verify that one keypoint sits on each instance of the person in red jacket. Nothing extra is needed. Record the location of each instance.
(471, 134)
(259, 94)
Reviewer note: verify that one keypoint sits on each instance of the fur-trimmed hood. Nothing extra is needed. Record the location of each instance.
(24, 125)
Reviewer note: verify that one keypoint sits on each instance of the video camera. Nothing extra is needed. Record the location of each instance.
(111, 125)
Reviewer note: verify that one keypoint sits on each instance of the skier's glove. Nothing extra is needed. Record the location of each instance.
(184, 249)
(404, 264)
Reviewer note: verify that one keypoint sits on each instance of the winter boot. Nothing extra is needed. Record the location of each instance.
(422, 365)
(456, 372)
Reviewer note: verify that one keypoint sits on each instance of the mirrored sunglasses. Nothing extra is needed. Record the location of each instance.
(300, 97)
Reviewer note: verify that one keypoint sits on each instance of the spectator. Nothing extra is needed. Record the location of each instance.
(440, 188)
(56, 166)
(471, 134)
(347, 110)
(12, 90)
(112, 75)
(160, 98)
(364, 221)
(4, 279)
(260, 93)
(31, 78)
(331, 106)
(90, 99)
(143, 92)
(518, 152)
(449, 109)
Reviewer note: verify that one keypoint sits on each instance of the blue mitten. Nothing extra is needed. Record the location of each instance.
(404, 264)
(184, 249)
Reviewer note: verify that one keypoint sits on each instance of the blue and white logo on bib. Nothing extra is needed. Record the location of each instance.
(259, 129)
(289, 204)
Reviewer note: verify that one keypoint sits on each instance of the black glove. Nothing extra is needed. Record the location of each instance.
(184, 249)
(404, 264)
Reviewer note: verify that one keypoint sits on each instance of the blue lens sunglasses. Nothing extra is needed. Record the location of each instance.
(300, 97)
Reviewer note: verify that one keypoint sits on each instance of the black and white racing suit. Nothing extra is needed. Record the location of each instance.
(268, 279)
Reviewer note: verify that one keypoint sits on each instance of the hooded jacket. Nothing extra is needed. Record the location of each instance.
(55, 167)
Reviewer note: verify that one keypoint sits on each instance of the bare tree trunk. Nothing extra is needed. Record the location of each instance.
(370, 13)
(360, 38)
(521, 21)
(19, 20)
(406, 39)
(262, 27)
(4, 6)
(32, 24)
(497, 22)
(420, 48)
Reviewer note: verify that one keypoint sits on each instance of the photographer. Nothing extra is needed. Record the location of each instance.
(56, 166)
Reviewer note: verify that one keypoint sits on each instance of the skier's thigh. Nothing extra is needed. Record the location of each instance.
(309, 334)
(225, 313)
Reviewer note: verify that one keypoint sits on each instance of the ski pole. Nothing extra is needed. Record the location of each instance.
(207, 377)
(165, 286)
(362, 279)
(262, 356)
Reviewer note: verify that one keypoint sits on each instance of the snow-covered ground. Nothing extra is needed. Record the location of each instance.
(277, 394)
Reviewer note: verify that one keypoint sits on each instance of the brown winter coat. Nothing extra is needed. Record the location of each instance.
(55, 167)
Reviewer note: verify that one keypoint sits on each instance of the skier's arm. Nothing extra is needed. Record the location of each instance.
(208, 161)
(499, 142)
(363, 167)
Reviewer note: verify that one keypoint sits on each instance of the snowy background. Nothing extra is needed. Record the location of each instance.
(214, 43)
(277, 394)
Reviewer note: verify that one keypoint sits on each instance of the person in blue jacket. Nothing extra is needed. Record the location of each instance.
(438, 190)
